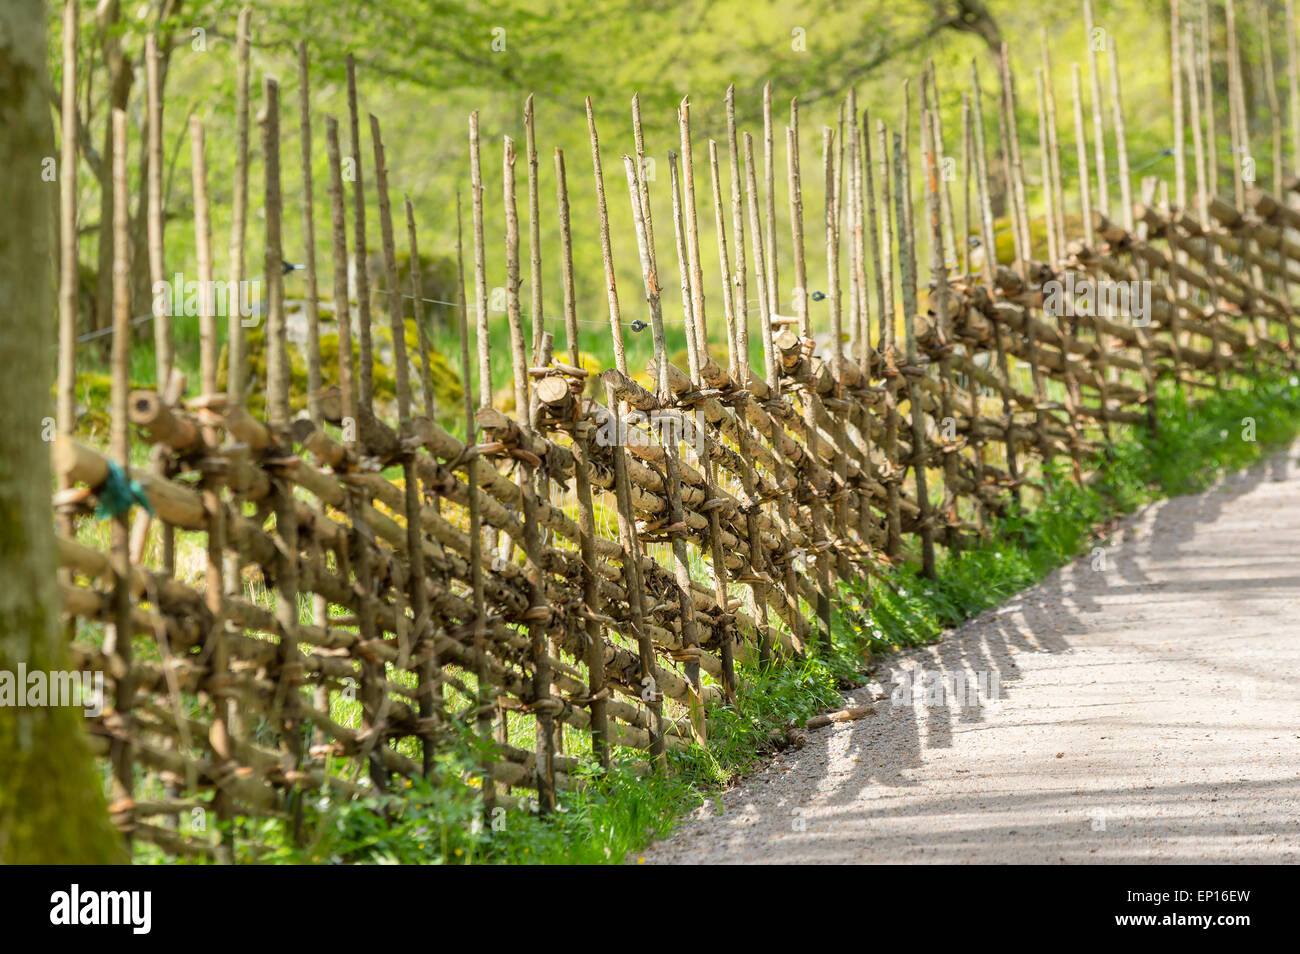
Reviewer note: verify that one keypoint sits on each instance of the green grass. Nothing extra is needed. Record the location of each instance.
(617, 813)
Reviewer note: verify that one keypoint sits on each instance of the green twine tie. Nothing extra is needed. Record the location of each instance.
(119, 494)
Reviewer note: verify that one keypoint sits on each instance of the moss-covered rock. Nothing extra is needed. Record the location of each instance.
(447, 386)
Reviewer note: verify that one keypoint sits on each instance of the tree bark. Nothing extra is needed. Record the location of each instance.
(120, 77)
(51, 800)
(971, 16)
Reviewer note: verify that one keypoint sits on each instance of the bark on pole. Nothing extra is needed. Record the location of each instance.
(161, 303)
(907, 262)
(796, 222)
(606, 250)
(1293, 86)
(162, 328)
(693, 232)
(1121, 139)
(583, 443)
(417, 307)
(541, 701)
(988, 237)
(342, 304)
(1016, 167)
(769, 195)
(764, 311)
(1176, 85)
(686, 231)
(1057, 193)
(740, 285)
(1049, 206)
(237, 361)
(651, 693)
(534, 232)
(277, 356)
(1081, 156)
(396, 314)
(483, 722)
(483, 332)
(1097, 42)
(1274, 104)
(724, 264)
(360, 255)
(220, 734)
(117, 639)
(889, 366)
(757, 557)
(639, 195)
(312, 304)
(1207, 87)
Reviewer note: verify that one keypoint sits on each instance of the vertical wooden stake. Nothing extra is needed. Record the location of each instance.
(739, 285)
(117, 638)
(988, 238)
(483, 332)
(693, 234)
(542, 703)
(1176, 84)
(907, 268)
(534, 231)
(277, 356)
(1081, 146)
(360, 254)
(1049, 204)
(396, 314)
(769, 179)
(1292, 87)
(1057, 191)
(1015, 169)
(1121, 140)
(1274, 105)
(483, 702)
(607, 254)
(417, 307)
(219, 734)
(342, 304)
(635, 587)
(889, 366)
(594, 642)
(1207, 81)
(162, 322)
(1096, 39)
(237, 363)
(686, 604)
(312, 304)
(724, 263)
(796, 222)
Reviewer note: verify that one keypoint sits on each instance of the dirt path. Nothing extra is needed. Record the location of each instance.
(1149, 711)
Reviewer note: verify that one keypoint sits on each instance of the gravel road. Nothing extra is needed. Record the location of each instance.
(1138, 707)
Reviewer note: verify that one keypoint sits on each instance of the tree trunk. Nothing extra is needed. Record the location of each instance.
(120, 77)
(972, 16)
(51, 799)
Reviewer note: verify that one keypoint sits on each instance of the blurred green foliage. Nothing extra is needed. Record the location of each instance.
(424, 65)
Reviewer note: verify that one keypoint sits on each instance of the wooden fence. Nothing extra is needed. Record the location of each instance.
(585, 574)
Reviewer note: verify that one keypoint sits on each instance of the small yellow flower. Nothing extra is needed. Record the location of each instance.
(641, 860)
